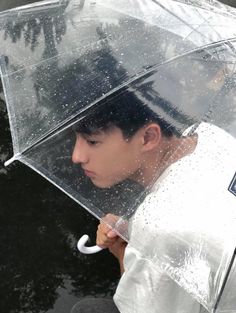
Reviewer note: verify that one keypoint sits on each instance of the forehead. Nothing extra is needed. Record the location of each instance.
(101, 133)
(91, 127)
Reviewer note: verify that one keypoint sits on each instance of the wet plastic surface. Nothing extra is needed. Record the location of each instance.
(52, 79)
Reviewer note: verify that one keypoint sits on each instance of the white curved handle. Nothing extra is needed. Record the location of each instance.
(87, 250)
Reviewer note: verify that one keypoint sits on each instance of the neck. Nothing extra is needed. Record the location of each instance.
(169, 151)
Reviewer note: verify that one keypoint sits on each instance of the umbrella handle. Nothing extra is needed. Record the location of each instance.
(87, 250)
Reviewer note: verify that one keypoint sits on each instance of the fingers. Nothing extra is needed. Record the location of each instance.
(110, 219)
(111, 234)
(105, 235)
(118, 248)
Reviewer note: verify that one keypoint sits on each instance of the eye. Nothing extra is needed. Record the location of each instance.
(92, 142)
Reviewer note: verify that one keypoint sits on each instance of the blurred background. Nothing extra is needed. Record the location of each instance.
(40, 267)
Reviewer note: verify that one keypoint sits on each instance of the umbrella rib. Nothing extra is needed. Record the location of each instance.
(65, 124)
(211, 26)
(184, 22)
(68, 192)
(33, 7)
(70, 121)
(179, 18)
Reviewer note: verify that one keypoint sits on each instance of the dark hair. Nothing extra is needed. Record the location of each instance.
(124, 110)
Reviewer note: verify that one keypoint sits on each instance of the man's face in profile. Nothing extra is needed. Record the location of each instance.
(107, 158)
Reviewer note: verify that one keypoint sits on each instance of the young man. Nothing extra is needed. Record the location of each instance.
(127, 138)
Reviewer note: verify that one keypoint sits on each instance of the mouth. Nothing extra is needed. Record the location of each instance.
(89, 173)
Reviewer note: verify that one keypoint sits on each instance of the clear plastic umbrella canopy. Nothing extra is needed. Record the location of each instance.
(64, 61)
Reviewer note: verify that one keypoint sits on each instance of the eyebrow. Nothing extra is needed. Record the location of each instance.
(87, 134)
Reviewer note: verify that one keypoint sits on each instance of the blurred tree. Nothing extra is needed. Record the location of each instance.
(229, 2)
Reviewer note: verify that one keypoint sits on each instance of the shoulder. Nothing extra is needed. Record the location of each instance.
(144, 287)
(212, 132)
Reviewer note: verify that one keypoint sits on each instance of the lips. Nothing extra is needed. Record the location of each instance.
(89, 173)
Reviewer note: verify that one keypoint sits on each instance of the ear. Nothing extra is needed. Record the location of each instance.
(151, 136)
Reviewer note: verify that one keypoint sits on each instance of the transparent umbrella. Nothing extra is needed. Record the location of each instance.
(67, 65)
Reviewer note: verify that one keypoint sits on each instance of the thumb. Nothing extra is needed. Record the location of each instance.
(111, 234)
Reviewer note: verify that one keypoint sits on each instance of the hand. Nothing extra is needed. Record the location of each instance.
(118, 249)
(106, 236)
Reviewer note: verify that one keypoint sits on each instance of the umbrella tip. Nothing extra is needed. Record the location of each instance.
(10, 161)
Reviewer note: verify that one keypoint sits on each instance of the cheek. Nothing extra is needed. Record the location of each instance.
(118, 161)
(126, 165)
(105, 165)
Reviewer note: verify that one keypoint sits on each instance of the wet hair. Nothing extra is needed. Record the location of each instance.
(125, 111)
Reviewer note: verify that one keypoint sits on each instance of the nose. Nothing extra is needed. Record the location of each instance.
(79, 154)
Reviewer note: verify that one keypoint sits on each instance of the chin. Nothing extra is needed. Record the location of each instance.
(103, 185)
